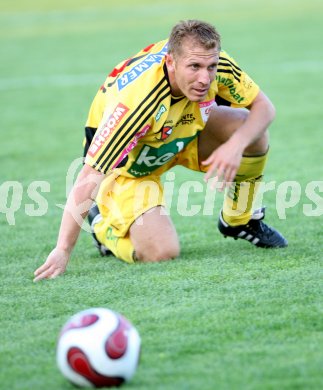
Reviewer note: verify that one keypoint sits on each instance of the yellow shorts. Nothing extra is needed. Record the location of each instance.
(123, 199)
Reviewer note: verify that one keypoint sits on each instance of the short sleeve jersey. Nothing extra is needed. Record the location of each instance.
(136, 125)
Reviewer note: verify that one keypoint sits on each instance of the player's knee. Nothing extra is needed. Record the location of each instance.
(259, 147)
(155, 253)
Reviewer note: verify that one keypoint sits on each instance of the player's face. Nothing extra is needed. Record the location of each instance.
(192, 71)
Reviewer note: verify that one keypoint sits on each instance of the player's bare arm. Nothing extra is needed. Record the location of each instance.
(249, 139)
(78, 203)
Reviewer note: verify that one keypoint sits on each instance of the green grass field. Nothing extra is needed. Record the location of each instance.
(225, 315)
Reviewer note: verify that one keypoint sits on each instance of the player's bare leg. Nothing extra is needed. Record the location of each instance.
(237, 218)
(154, 236)
(222, 123)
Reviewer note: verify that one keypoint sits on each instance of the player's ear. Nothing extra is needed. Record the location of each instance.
(169, 59)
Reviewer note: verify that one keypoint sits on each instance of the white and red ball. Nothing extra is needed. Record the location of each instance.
(98, 348)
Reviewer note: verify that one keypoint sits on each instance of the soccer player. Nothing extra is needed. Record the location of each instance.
(181, 101)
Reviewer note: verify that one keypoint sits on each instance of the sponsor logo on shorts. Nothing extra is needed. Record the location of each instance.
(110, 124)
(143, 66)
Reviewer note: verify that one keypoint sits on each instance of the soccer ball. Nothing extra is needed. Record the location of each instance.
(98, 348)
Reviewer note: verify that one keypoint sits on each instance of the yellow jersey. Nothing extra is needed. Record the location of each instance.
(136, 125)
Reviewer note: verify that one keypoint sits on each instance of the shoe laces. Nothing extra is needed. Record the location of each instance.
(256, 223)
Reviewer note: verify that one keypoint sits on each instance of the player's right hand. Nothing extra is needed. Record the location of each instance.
(54, 265)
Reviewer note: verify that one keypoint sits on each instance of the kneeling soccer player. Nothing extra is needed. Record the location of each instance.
(181, 101)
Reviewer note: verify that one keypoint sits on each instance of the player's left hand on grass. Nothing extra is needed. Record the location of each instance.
(223, 164)
(54, 265)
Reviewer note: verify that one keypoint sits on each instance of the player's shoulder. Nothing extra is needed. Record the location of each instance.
(153, 53)
(228, 69)
(155, 48)
(226, 60)
(143, 72)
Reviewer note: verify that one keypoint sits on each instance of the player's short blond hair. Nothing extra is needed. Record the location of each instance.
(203, 33)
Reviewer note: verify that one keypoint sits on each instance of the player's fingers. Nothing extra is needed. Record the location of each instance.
(44, 274)
(231, 175)
(56, 273)
(221, 171)
(211, 171)
(228, 175)
(216, 183)
(225, 177)
(41, 269)
(208, 160)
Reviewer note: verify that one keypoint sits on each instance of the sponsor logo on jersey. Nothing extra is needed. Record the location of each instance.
(143, 66)
(186, 119)
(247, 82)
(166, 132)
(110, 124)
(205, 108)
(151, 158)
(229, 83)
(160, 112)
(132, 144)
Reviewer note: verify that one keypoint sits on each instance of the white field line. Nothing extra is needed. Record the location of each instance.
(96, 79)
